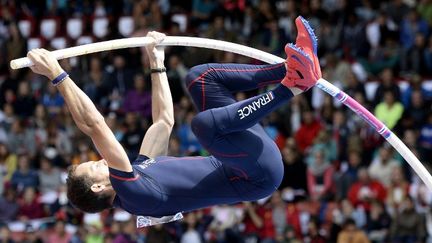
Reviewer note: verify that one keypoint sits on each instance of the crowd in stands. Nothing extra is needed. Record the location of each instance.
(343, 182)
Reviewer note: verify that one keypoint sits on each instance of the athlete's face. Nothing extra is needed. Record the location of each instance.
(97, 170)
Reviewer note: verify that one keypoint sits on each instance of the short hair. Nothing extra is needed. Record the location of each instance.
(349, 222)
(81, 196)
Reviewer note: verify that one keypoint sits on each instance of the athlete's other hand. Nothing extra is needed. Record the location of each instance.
(44, 63)
(156, 54)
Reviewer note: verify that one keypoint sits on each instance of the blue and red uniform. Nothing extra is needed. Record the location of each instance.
(245, 164)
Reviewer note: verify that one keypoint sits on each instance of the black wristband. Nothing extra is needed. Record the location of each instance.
(158, 70)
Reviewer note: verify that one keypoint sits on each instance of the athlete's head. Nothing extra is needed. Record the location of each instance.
(88, 186)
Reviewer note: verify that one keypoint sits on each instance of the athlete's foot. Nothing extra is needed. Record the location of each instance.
(303, 69)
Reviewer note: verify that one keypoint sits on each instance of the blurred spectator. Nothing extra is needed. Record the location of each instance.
(413, 60)
(5, 234)
(176, 73)
(7, 118)
(415, 84)
(326, 110)
(348, 174)
(353, 85)
(348, 211)
(351, 233)
(52, 100)
(191, 234)
(378, 222)
(320, 176)
(279, 214)
(421, 195)
(390, 110)
(425, 139)
(417, 109)
(354, 36)
(290, 236)
(365, 189)
(308, 131)
(138, 99)
(121, 79)
(49, 176)
(8, 163)
(410, 26)
(294, 182)
(21, 138)
(202, 11)
(397, 190)
(94, 233)
(408, 225)
(59, 233)
(156, 234)
(188, 141)
(385, 52)
(428, 56)
(225, 222)
(217, 30)
(30, 206)
(330, 37)
(397, 10)
(25, 103)
(96, 83)
(24, 176)
(273, 38)
(338, 70)
(8, 205)
(382, 166)
(323, 142)
(58, 140)
(133, 136)
(252, 222)
(39, 122)
(313, 235)
(16, 45)
(31, 235)
(388, 83)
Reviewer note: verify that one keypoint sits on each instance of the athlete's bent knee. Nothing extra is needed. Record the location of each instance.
(194, 74)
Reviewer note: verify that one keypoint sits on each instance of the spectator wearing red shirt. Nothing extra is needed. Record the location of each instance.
(259, 219)
(320, 176)
(251, 221)
(308, 131)
(30, 207)
(365, 190)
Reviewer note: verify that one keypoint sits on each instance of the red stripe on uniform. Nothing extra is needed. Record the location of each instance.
(125, 178)
(227, 155)
(234, 70)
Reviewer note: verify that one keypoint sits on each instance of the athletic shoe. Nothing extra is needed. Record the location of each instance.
(303, 68)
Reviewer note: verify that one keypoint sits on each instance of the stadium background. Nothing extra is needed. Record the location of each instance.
(341, 180)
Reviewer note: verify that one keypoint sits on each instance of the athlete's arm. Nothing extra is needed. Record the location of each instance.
(84, 113)
(155, 142)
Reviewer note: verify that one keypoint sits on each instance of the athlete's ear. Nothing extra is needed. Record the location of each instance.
(97, 187)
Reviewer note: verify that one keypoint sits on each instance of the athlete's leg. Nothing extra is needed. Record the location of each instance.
(230, 131)
(212, 85)
(232, 134)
